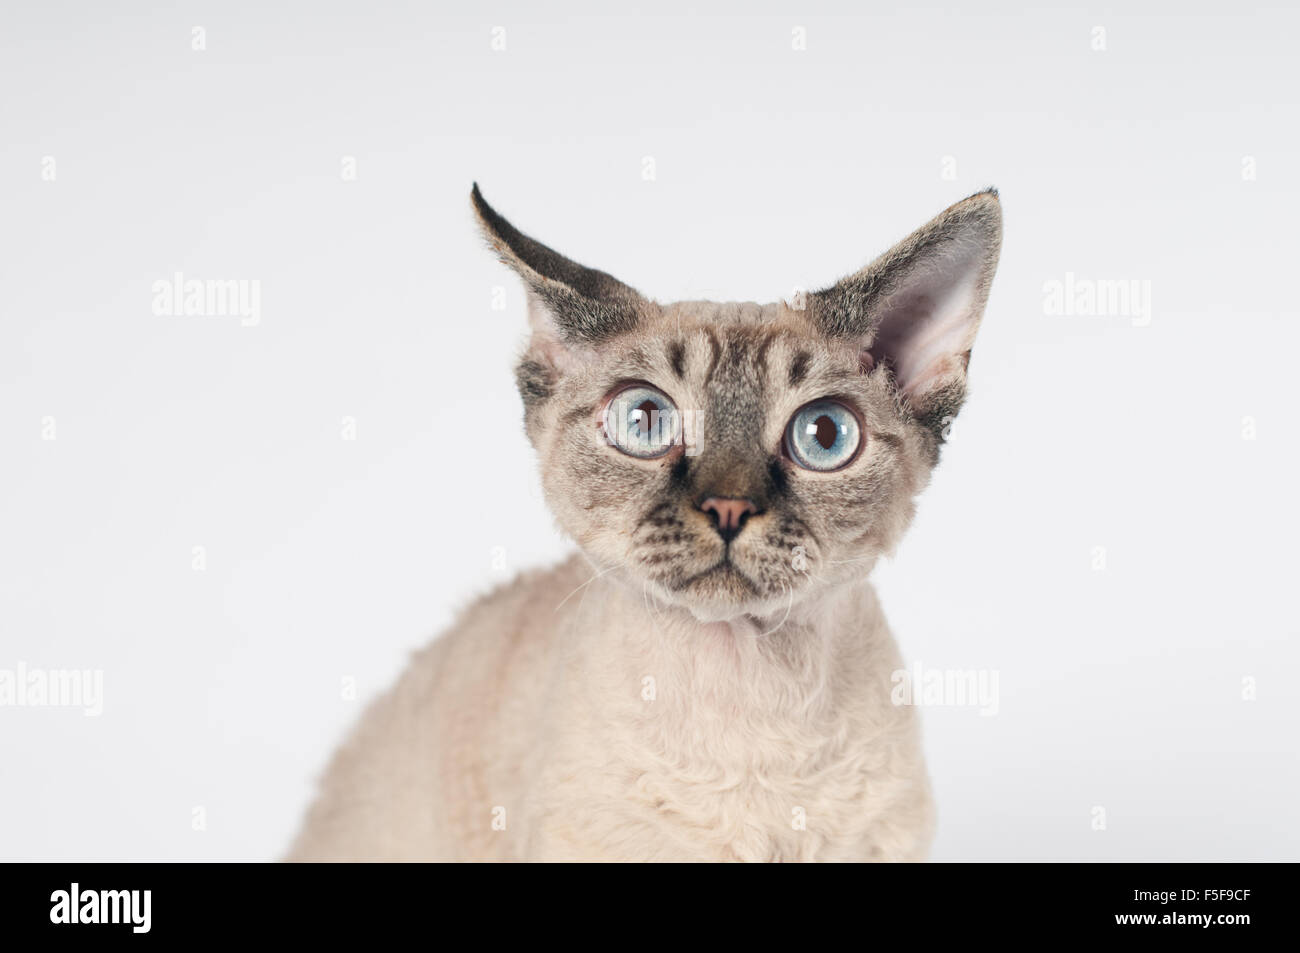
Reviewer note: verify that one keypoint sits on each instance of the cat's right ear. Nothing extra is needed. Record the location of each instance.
(571, 308)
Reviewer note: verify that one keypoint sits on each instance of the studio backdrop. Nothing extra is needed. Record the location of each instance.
(261, 438)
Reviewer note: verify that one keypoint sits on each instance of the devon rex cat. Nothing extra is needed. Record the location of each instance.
(710, 678)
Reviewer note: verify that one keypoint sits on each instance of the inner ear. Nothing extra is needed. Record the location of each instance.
(925, 330)
(917, 307)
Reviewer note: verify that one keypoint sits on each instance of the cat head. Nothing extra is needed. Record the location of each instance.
(738, 459)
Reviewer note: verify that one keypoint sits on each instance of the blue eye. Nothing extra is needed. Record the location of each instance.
(642, 421)
(823, 435)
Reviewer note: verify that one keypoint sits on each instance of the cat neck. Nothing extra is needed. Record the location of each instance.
(797, 665)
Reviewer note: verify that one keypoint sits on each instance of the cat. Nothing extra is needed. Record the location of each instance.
(710, 679)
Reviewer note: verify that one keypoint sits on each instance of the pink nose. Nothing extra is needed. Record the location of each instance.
(729, 513)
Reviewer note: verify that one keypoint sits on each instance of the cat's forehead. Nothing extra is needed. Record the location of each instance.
(724, 314)
(737, 340)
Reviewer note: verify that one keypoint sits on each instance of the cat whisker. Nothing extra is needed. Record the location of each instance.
(784, 618)
(840, 562)
(584, 586)
(645, 597)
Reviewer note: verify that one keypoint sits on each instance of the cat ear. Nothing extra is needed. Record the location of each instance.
(917, 307)
(569, 305)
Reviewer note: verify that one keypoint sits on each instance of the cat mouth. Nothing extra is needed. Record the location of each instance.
(723, 573)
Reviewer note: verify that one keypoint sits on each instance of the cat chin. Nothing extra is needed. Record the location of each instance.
(731, 601)
(754, 616)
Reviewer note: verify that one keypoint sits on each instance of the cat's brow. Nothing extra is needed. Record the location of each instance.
(760, 356)
(677, 358)
(799, 367)
(717, 350)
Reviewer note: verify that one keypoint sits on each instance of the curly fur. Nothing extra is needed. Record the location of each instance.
(638, 702)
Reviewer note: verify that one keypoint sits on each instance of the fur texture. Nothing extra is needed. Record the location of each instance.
(674, 692)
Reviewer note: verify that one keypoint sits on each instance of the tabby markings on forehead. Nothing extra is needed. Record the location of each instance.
(677, 358)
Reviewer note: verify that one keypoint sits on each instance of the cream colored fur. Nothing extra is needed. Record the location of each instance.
(619, 730)
(676, 693)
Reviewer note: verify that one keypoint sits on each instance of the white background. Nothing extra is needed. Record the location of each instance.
(1120, 688)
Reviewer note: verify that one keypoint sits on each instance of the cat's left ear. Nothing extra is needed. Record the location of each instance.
(570, 307)
(917, 307)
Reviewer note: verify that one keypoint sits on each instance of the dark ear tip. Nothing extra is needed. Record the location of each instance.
(987, 196)
(985, 206)
(487, 215)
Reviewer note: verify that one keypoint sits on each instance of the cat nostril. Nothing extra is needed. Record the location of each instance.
(728, 514)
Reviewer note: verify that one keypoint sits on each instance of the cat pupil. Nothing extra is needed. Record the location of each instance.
(643, 413)
(825, 431)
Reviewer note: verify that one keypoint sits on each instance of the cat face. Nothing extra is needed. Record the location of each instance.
(739, 459)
